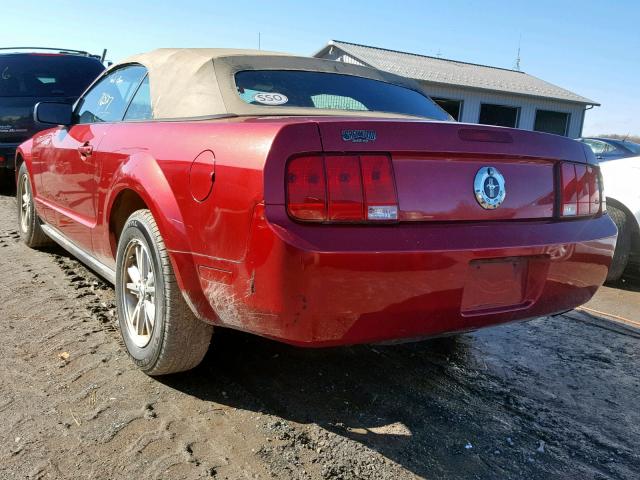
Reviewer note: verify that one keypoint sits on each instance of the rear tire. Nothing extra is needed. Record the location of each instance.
(160, 332)
(28, 221)
(623, 246)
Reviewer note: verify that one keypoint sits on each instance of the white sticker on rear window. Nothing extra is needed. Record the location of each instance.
(270, 98)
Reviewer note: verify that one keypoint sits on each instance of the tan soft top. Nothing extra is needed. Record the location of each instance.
(199, 82)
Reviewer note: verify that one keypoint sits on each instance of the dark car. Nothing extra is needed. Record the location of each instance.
(32, 76)
(611, 148)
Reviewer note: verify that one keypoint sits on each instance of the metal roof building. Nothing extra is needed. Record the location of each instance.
(477, 93)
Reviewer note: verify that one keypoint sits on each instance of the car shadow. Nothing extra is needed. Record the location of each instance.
(7, 185)
(406, 401)
(630, 280)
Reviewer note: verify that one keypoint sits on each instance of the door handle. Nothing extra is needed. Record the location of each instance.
(85, 150)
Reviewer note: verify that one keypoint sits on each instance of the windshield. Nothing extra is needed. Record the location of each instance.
(46, 75)
(331, 91)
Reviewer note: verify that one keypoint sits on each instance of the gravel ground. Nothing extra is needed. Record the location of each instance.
(552, 398)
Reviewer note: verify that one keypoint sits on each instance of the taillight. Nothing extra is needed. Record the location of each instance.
(593, 177)
(581, 190)
(352, 188)
(344, 182)
(381, 201)
(306, 189)
(569, 191)
(603, 197)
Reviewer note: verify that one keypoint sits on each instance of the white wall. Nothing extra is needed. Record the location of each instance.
(472, 99)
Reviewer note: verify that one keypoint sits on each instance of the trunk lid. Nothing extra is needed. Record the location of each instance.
(436, 165)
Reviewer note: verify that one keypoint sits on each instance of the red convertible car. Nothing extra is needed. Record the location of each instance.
(309, 201)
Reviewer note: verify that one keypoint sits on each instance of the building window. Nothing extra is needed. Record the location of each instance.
(499, 115)
(552, 122)
(452, 107)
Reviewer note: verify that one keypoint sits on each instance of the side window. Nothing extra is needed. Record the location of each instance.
(597, 147)
(140, 107)
(606, 149)
(108, 99)
(613, 150)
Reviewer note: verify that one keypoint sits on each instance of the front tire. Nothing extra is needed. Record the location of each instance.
(159, 330)
(28, 221)
(623, 245)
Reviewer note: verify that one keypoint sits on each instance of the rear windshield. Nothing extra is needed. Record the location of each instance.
(45, 75)
(331, 91)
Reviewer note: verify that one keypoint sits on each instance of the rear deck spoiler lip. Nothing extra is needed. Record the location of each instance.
(400, 137)
(484, 135)
(61, 51)
(439, 137)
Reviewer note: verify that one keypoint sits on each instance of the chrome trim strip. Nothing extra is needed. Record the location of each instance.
(86, 258)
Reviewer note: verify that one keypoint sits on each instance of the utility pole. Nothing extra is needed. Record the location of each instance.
(259, 42)
(517, 66)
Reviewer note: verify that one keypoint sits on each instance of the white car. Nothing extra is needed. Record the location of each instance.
(622, 190)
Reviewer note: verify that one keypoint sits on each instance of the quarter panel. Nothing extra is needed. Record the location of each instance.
(154, 160)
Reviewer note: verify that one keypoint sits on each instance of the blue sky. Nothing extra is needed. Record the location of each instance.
(589, 47)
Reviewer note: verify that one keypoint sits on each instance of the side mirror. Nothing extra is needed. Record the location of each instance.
(54, 113)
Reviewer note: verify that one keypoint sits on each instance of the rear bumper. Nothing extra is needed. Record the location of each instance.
(332, 285)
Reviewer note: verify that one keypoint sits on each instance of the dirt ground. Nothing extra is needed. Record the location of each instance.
(552, 398)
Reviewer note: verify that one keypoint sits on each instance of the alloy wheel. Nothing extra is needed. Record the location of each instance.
(25, 204)
(138, 292)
